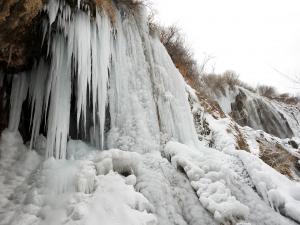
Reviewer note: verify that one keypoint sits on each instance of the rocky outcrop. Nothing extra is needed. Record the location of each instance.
(19, 33)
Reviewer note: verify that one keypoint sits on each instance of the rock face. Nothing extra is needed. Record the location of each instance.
(18, 33)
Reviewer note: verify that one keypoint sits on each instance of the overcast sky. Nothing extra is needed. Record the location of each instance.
(251, 37)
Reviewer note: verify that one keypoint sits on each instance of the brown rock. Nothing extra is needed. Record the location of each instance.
(18, 34)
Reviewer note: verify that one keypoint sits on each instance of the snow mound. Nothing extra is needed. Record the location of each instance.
(75, 192)
(209, 179)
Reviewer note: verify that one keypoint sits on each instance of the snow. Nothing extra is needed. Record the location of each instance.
(69, 192)
(281, 193)
(16, 165)
(209, 179)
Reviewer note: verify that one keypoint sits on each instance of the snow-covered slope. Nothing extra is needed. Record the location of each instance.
(138, 158)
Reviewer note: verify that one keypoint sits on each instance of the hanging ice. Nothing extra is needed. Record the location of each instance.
(81, 51)
(36, 95)
(17, 97)
(59, 86)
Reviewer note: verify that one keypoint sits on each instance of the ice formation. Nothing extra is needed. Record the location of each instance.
(119, 69)
(112, 85)
(19, 93)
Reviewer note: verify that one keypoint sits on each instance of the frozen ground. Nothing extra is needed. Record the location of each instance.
(185, 186)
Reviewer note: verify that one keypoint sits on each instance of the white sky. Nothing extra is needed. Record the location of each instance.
(249, 36)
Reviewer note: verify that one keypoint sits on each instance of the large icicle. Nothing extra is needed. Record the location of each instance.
(100, 44)
(81, 50)
(17, 97)
(82, 55)
(59, 86)
(36, 95)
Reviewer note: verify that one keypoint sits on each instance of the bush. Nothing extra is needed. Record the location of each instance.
(231, 78)
(267, 91)
(271, 93)
(218, 82)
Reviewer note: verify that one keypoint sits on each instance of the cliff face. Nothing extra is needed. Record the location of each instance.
(21, 32)
(18, 33)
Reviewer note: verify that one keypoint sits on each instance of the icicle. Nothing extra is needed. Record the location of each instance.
(100, 44)
(17, 97)
(60, 100)
(36, 95)
(82, 55)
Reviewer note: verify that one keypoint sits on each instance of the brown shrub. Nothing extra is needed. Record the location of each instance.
(271, 93)
(278, 158)
(179, 52)
(240, 139)
(108, 7)
(218, 82)
(266, 91)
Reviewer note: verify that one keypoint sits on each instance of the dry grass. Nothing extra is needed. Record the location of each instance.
(266, 91)
(271, 93)
(240, 139)
(218, 82)
(180, 53)
(278, 158)
(107, 6)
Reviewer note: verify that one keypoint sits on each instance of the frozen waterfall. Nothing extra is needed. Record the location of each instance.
(114, 71)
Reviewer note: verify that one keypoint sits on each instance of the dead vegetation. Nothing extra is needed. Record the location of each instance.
(276, 156)
(107, 6)
(240, 139)
(218, 82)
(271, 93)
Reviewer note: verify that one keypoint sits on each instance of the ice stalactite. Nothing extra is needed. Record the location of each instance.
(59, 86)
(80, 61)
(100, 42)
(18, 95)
(38, 78)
